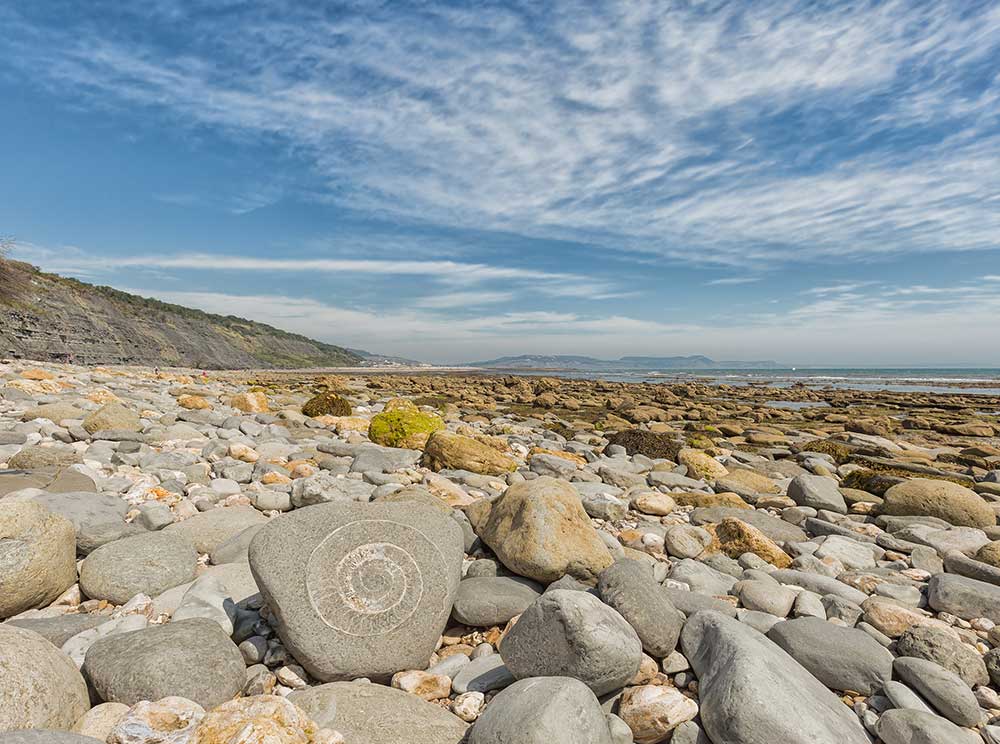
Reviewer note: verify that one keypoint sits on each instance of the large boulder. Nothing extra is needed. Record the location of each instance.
(568, 633)
(841, 658)
(751, 691)
(539, 529)
(629, 587)
(402, 428)
(112, 416)
(193, 659)
(446, 450)
(543, 710)
(359, 590)
(37, 556)
(210, 529)
(374, 714)
(40, 686)
(945, 500)
(148, 564)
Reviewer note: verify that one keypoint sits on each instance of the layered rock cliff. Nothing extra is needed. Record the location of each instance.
(53, 318)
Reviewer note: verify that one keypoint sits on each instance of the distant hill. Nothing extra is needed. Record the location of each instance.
(53, 318)
(628, 363)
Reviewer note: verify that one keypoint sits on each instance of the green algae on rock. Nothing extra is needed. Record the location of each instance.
(404, 428)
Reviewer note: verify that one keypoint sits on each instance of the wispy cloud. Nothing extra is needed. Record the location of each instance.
(731, 134)
(732, 281)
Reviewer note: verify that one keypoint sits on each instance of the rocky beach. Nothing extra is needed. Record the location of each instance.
(366, 557)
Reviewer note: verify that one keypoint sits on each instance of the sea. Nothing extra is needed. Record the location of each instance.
(964, 380)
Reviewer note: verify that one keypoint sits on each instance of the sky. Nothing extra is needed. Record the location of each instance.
(816, 183)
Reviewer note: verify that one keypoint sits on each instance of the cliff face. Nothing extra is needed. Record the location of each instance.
(52, 318)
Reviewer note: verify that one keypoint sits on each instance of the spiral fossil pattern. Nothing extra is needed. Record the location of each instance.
(366, 577)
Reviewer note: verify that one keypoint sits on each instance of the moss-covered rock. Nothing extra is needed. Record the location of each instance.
(399, 404)
(839, 451)
(650, 444)
(404, 428)
(326, 404)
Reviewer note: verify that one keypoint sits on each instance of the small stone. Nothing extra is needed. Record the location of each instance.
(170, 720)
(422, 684)
(653, 711)
(468, 705)
(269, 719)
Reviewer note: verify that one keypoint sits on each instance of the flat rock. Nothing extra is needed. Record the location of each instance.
(573, 634)
(964, 597)
(817, 492)
(819, 584)
(841, 658)
(359, 590)
(776, 529)
(374, 714)
(899, 726)
(543, 710)
(751, 691)
(149, 564)
(208, 530)
(40, 686)
(193, 659)
(944, 690)
(486, 601)
(484, 674)
(57, 630)
(91, 513)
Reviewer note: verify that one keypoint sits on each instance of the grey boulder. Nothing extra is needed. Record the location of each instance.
(841, 658)
(543, 710)
(193, 659)
(900, 726)
(751, 691)
(629, 587)
(40, 685)
(944, 647)
(359, 590)
(818, 492)
(964, 597)
(567, 633)
(148, 564)
(208, 530)
(485, 601)
(944, 690)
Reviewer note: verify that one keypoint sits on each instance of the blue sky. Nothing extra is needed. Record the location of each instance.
(817, 183)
